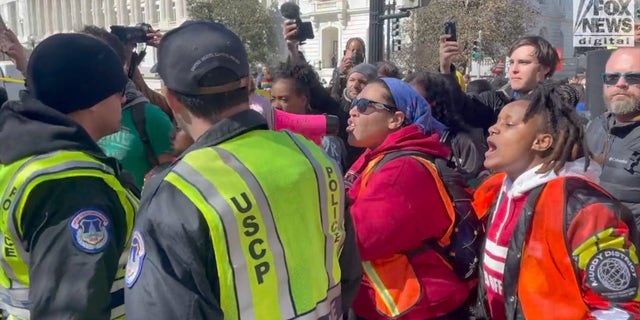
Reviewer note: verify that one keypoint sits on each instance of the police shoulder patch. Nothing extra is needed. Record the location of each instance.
(136, 258)
(612, 274)
(91, 230)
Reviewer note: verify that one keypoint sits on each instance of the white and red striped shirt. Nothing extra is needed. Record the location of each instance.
(495, 251)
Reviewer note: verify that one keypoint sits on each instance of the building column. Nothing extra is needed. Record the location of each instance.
(65, 15)
(149, 8)
(56, 16)
(95, 17)
(164, 12)
(37, 20)
(123, 13)
(30, 13)
(77, 16)
(99, 8)
(136, 17)
(108, 13)
(178, 10)
(48, 24)
(4, 11)
(85, 11)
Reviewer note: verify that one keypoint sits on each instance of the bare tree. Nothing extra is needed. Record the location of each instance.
(500, 21)
(256, 25)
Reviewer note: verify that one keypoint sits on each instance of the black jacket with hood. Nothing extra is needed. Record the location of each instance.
(65, 282)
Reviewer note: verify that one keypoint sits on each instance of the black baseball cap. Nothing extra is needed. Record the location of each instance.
(195, 48)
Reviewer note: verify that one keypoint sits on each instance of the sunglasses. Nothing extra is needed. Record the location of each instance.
(362, 105)
(612, 78)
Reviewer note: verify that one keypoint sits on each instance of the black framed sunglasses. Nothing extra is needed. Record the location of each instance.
(362, 105)
(612, 78)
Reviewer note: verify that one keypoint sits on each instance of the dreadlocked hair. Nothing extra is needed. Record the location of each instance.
(562, 122)
(308, 83)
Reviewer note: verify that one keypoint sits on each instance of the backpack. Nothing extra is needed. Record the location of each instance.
(139, 119)
(461, 245)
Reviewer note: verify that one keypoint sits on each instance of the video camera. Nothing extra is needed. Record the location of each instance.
(128, 35)
(291, 11)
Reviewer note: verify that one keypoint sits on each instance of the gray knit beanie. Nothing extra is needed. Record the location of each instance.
(368, 70)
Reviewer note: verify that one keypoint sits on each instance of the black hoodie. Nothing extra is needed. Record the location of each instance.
(65, 281)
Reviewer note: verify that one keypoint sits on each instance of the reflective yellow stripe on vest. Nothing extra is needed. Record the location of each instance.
(18, 180)
(255, 268)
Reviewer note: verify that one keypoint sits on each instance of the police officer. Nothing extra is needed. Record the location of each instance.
(248, 223)
(66, 217)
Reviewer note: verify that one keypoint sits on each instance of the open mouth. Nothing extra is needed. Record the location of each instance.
(492, 148)
(350, 128)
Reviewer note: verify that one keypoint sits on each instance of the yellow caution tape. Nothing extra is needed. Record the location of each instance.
(12, 80)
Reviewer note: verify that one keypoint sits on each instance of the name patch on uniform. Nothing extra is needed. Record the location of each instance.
(612, 274)
(136, 258)
(90, 230)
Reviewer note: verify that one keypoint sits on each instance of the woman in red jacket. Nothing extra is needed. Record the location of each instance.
(398, 207)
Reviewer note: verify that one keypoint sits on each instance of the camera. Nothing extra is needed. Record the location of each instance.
(137, 34)
(291, 11)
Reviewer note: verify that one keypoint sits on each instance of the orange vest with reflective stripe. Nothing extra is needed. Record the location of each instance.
(547, 286)
(395, 283)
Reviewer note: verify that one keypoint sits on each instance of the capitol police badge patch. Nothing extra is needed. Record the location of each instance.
(91, 230)
(136, 258)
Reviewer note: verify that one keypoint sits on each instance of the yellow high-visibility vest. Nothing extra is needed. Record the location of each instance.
(17, 181)
(277, 235)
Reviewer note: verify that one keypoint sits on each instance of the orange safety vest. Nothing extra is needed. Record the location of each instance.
(396, 286)
(546, 286)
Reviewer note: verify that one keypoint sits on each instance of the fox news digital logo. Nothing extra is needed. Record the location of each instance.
(601, 23)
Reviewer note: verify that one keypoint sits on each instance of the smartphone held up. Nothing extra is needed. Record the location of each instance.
(450, 29)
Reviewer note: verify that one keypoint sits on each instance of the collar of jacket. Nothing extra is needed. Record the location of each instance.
(514, 254)
(29, 128)
(229, 128)
(620, 129)
(345, 96)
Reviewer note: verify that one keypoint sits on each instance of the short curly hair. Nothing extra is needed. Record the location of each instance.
(307, 82)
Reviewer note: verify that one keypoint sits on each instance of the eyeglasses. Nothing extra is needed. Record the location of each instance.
(362, 105)
(612, 78)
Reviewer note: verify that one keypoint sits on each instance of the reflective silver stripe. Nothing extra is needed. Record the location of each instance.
(5, 265)
(235, 252)
(329, 309)
(75, 164)
(118, 312)
(275, 245)
(322, 192)
(10, 297)
(15, 301)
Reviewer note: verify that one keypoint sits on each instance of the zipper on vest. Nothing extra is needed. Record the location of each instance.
(607, 148)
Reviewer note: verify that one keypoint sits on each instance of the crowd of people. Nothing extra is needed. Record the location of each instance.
(436, 199)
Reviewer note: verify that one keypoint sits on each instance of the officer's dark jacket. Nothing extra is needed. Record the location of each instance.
(619, 144)
(65, 283)
(190, 291)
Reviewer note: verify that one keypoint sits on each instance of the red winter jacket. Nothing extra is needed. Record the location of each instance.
(400, 208)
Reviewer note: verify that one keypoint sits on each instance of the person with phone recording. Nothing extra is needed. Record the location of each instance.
(475, 113)
(357, 76)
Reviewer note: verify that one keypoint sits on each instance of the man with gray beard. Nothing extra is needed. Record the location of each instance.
(614, 137)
